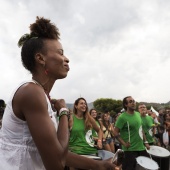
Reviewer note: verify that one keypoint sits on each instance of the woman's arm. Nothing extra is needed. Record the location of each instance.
(112, 129)
(99, 132)
(101, 124)
(52, 146)
(77, 161)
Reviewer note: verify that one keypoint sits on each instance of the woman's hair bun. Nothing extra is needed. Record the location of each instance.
(43, 28)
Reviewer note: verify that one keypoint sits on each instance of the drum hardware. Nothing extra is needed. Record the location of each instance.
(118, 157)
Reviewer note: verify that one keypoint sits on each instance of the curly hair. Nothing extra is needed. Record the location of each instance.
(42, 28)
(33, 43)
(86, 114)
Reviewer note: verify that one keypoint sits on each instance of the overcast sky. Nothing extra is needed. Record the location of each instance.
(116, 47)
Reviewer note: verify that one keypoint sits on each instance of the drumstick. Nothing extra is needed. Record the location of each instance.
(128, 131)
(150, 155)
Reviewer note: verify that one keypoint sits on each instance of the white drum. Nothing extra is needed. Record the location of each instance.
(105, 154)
(145, 163)
(161, 156)
(158, 151)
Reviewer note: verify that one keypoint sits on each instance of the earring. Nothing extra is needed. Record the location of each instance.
(46, 71)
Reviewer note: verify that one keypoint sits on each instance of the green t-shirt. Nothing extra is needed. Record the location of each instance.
(130, 126)
(147, 125)
(81, 141)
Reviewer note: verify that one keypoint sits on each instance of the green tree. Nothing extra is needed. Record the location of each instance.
(108, 105)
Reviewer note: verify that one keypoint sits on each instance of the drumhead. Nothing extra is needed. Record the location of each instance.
(158, 151)
(147, 163)
(92, 157)
(105, 154)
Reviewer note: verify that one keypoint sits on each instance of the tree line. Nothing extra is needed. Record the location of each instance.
(115, 106)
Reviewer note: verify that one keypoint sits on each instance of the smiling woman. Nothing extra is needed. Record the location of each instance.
(31, 136)
(81, 137)
(29, 121)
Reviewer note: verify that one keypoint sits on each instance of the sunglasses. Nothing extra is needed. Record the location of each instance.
(131, 101)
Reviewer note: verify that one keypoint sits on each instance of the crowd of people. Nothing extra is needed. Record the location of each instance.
(40, 133)
(132, 131)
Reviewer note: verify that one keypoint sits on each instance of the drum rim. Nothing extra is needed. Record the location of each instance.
(146, 158)
(161, 148)
(92, 157)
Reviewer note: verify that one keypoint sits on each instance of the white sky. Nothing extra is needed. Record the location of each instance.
(116, 47)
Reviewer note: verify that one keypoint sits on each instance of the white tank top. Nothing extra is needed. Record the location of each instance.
(17, 148)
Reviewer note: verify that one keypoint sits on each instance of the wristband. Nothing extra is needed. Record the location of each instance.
(145, 142)
(64, 113)
(99, 140)
(63, 109)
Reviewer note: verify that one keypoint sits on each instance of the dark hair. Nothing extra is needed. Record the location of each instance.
(2, 107)
(164, 115)
(86, 114)
(96, 112)
(2, 103)
(91, 110)
(125, 102)
(140, 104)
(33, 43)
(107, 123)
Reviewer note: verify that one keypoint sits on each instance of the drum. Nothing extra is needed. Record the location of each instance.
(158, 151)
(145, 163)
(105, 154)
(161, 156)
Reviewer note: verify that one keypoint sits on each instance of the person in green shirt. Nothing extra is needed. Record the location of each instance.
(94, 115)
(81, 139)
(147, 124)
(128, 131)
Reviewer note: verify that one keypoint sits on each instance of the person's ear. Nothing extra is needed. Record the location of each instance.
(40, 58)
(76, 106)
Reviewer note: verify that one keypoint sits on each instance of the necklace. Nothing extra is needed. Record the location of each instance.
(46, 94)
(37, 83)
(49, 97)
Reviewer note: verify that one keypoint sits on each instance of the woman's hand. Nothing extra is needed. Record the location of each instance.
(99, 143)
(58, 104)
(107, 165)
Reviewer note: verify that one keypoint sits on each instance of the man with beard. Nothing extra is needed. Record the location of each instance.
(128, 130)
